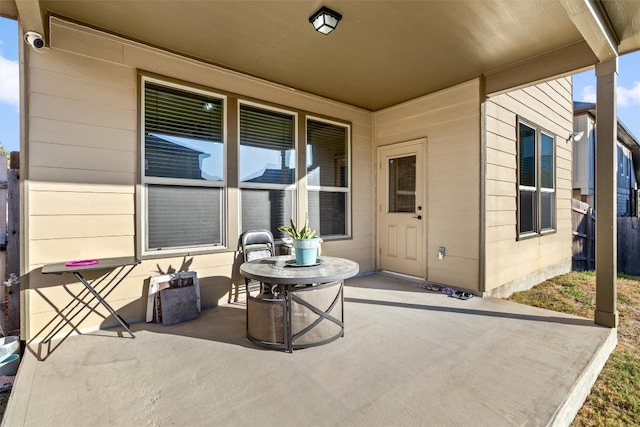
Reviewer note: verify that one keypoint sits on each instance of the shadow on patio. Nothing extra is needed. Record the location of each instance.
(408, 357)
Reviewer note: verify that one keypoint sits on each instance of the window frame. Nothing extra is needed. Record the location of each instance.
(538, 189)
(267, 186)
(145, 181)
(347, 189)
(230, 214)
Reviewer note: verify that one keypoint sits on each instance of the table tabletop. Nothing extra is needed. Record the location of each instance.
(102, 264)
(283, 270)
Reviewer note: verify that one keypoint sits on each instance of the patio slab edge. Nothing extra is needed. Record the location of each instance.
(576, 397)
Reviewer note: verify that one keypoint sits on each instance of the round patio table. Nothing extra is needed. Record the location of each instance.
(309, 311)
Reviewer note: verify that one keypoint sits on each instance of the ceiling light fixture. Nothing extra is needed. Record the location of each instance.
(325, 20)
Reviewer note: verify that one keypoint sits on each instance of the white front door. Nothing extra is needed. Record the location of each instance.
(401, 209)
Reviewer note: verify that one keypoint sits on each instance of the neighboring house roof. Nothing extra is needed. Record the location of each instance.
(184, 158)
(580, 107)
(624, 134)
(275, 175)
(155, 142)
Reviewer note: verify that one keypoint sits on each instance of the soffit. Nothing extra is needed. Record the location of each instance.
(381, 54)
(624, 17)
(8, 9)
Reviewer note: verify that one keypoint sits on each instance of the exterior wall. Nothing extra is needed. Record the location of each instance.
(584, 167)
(450, 121)
(584, 158)
(513, 264)
(81, 172)
(625, 181)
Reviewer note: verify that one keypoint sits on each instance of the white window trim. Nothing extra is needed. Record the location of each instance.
(348, 188)
(539, 189)
(300, 118)
(263, 186)
(142, 199)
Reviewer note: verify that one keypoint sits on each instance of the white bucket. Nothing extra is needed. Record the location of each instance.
(9, 345)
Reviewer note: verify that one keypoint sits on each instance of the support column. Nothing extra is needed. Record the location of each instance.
(606, 194)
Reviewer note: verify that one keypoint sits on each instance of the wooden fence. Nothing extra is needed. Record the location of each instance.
(583, 220)
(584, 231)
(629, 245)
(10, 248)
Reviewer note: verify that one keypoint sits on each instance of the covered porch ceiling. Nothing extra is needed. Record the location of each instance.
(382, 53)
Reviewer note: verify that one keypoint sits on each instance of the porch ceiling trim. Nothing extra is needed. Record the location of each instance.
(553, 64)
(31, 16)
(592, 22)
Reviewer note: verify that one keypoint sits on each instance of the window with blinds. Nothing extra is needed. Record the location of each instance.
(267, 167)
(536, 180)
(183, 172)
(328, 177)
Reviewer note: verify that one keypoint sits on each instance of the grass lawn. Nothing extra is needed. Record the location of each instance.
(4, 398)
(615, 397)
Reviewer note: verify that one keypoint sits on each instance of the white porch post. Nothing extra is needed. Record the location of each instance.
(606, 193)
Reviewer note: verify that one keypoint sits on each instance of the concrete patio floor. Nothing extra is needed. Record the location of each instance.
(408, 357)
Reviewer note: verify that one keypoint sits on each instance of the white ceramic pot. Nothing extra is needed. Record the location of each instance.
(9, 365)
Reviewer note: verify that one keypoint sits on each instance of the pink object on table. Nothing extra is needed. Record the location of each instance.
(82, 263)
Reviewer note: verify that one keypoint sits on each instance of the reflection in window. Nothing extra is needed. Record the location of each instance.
(536, 180)
(267, 153)
(328, 177)
(266, 209)
(267, 167)
(183, 134)
(183, 167)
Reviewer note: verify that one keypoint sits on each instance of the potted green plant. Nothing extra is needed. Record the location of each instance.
(305, 242)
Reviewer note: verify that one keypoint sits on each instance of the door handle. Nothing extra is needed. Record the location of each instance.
(417, 216)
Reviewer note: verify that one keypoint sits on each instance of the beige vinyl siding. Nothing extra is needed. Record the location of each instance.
(513, 264)
(82, 170)
(450, 121)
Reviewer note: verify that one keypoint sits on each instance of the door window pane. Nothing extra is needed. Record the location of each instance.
(402, 184)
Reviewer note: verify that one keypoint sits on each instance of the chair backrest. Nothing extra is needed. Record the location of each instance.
(257, 244)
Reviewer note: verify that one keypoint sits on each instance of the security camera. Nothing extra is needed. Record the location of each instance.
(35, 40)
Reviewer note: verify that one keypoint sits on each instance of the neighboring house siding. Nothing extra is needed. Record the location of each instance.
(625, 181)
(513, 264)
(82, 165)
(584, 162)
(450, 121)
(584, 159)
